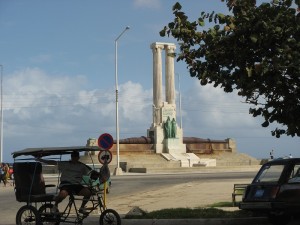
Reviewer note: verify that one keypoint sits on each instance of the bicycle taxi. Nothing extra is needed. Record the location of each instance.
(30, 188)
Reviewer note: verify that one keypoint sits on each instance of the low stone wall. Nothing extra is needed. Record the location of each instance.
(134, 148)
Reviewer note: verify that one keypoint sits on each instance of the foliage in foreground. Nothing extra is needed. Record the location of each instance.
(255, 49)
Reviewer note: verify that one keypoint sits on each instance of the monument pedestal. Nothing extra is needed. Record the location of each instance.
(166, 145)
(174, 145)
(157, 133)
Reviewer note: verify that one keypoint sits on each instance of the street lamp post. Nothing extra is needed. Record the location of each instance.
(1, 119)
(118, 170)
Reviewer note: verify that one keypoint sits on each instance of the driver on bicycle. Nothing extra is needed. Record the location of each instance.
(70, 180)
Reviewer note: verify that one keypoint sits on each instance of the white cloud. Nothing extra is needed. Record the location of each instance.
(135, 103)
(58, 110)
(49, 110)
(213, 108)
(33, 90)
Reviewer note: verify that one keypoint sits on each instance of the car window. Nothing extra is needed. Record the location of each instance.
(270, 173)
(295, 174)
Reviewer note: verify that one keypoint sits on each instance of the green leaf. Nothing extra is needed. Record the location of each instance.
(253, 38)
(175, 32)
(201, 22)
(221, 16)
(249, 71)
(203, 82)
(171, 25)
(162, 33)
(217, 27)
(265, 124)
(177, 6)
(232, 26)
(278, 29)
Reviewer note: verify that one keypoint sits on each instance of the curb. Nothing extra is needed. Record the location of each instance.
(214, 221)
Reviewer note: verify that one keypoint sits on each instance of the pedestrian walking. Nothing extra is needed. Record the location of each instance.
(5, 174)
(1, 173)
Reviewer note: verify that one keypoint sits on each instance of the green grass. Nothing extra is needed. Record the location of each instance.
(221, 204)
(182, 213)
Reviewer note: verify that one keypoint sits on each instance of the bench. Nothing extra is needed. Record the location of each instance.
(238, 190)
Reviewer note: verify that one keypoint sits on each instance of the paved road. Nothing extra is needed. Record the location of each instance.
(148, 182)
(154, 192)
(130, 183)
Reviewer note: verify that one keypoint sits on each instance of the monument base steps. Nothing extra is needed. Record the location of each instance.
(189, 159)
(160, 163)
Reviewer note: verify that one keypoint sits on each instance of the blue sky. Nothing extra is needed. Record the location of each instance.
(59, 77)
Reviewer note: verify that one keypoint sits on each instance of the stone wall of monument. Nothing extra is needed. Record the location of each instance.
(134, 148)
(208, 148)
(193, 145)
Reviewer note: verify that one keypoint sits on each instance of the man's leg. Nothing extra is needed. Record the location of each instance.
(58, 199)
(86, 193)
(4, 180)
(61, 196)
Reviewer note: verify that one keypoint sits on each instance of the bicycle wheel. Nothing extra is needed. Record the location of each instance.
(48, 217)
(28, 215)
(110, 217)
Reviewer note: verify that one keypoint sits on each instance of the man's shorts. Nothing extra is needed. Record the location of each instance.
(71, 188)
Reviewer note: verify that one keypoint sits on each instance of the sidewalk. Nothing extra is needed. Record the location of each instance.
(185, 195)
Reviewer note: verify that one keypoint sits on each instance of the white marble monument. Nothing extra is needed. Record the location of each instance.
(164, 130)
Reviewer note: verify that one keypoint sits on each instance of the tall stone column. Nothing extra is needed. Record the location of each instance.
(170, 82)
(164, 107)
(157, 80)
